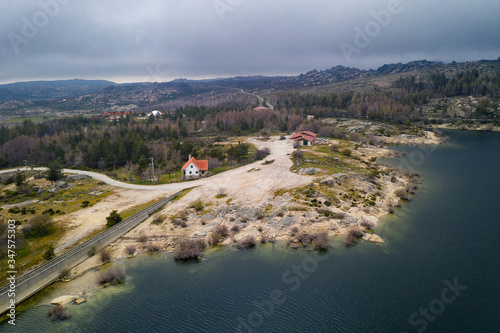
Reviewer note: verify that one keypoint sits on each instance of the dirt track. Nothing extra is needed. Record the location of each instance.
(244, 187)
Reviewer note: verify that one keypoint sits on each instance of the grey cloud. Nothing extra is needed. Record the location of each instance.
(128, 40)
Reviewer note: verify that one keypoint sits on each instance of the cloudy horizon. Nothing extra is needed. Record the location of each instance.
(155, 40)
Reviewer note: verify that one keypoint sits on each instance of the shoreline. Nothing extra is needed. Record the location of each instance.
(225, 209)
(273, 214)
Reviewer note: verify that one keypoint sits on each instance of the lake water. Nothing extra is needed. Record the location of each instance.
(438, 272)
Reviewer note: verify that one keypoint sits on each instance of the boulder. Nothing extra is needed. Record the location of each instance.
(308, 171)
(64, 300)
(62, 184)
(373, 238)
(80, 300)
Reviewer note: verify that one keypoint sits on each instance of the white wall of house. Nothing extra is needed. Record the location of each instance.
(191, 172)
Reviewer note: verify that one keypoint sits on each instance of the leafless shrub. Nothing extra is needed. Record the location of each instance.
(320, 241)
(261, 153)
(247, 243)
(152, 248)
(235, 228)
(263, 239)
(218, 234)
(58, 313)
(179, 223)
(298, 154)
(189, 249)
(105, 256)
(339, 215)
(367, 225)
(221, 192)
(130, 250)
(353, 235)
(158, 219)
(334, 146)
(304, 238)
(184, 215)
(112, 276)
(280, 214)
(143, 238)
(402, 194)
(214, 163)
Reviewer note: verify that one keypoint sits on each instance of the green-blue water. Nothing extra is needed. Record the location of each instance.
(450, 231)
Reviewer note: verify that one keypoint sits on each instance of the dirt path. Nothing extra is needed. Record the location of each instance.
(249, 185)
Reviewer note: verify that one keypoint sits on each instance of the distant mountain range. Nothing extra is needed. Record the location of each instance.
(41, 90)
(100, 95)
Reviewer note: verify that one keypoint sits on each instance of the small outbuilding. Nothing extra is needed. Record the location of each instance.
(194, 169)
(304, 138)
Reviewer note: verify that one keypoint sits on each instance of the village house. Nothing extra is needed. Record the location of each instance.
(155, 113)
(194, 169)
(304, 138)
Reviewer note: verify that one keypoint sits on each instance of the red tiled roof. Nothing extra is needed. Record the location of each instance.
(303, 136)
(201, 164)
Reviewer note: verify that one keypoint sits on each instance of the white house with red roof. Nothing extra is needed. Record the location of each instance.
(304, 138)
(194, 169)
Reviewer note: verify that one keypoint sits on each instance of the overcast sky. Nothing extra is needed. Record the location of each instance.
(160, 40)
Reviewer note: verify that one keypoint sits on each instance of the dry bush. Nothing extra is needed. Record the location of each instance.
(353, 235)
(320, 241)
(218, 234)
(143, 238)
(112, 276)
(402, 194)
(298, 154)
(152, 248)
(197, 205)
(340, 215)
(263, 239)
(235, 228)
(367, 225)
(105, 256)
(184, 215)
(261, 153)
(280, 214)
(130, 250)
(247, 243)
(188, 249)
(221, 192)
(304, 238)
(158, 219)
(58, 313)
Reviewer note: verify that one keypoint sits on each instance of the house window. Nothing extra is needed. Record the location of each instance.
(190, 172)
(305, 143)
(191, 166)
(196, 172)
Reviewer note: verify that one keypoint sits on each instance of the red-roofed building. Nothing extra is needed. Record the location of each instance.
(304, 138)
(194, 169)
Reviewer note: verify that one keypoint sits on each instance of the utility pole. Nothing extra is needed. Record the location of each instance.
(152, 169)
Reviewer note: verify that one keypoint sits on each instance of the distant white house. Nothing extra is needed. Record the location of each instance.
(194, 169)
(155, 113)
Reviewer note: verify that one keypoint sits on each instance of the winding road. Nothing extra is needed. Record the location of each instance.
(249, 180)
